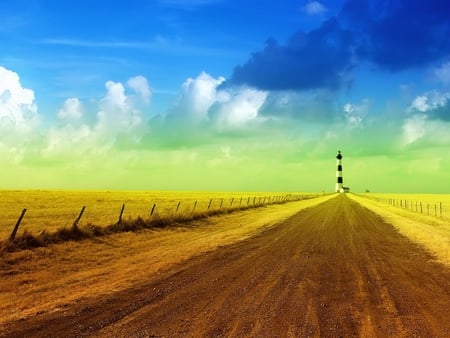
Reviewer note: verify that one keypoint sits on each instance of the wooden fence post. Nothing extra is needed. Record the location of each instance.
(119, 221)
(232, 200)
(14, 232)
(221, 203)
(421, 209)
(75, 223)
(210, 201)
(195, 204)
(178, 206)
(153, 209)
(440, 207)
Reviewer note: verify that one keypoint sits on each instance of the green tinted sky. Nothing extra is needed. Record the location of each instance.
(223, 95)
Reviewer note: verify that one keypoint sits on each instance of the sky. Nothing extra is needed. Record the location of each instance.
(225, 95)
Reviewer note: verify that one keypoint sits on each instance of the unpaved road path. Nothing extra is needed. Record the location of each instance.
(334, 270)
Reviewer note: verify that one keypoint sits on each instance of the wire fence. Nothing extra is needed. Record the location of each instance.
(429, 208)
(154, 212)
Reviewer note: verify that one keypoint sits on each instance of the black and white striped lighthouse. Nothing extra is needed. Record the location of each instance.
(340, 179)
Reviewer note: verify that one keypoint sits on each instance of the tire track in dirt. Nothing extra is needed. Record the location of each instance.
(334, 270)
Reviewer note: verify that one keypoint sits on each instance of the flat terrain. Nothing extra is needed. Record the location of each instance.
(425, 204)
(333, 270)
(52, 209)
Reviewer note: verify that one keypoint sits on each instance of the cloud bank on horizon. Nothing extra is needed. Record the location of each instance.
(373, 78)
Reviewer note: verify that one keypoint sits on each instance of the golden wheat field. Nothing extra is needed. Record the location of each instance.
(52, 209)
(426, 204)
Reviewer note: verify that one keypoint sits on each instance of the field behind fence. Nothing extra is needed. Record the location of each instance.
(53, 210)
(437, 205)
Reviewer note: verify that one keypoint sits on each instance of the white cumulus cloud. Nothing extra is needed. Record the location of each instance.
(414, 128)
(117, 114)
(198, 95)
(314, 8)
(77, 139)
(203, 102)
(115, 98)
(238, 108)
(140, 85)
(430, 101)
(71, 110)
(434, 104)
(420, 103)
(18, 111)
(419, 129)
(355, 114)
(428, 121)
(117, 117)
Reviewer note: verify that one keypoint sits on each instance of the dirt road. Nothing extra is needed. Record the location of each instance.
(334, 270)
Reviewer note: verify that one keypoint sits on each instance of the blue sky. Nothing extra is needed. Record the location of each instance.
(193, 90)
(70, 49)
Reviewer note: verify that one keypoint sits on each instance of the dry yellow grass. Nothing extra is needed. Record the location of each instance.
(431, 232)
(48, 279)
(431, 203)
(51, 210)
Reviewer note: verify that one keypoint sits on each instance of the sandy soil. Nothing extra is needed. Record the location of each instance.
(333, 270)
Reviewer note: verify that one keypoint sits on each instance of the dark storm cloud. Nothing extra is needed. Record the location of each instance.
(395, 35)
(398, 35)
(318, 59)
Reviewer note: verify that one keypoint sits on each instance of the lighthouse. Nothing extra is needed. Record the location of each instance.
(339, 178)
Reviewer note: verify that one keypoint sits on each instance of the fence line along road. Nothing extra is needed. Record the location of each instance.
(435, 209)
(194, 211)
